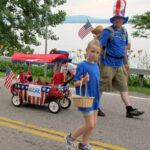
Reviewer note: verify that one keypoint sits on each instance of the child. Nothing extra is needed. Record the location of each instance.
(89, 71)
(68, 68)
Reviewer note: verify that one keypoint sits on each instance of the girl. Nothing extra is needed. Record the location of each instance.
(89, 71)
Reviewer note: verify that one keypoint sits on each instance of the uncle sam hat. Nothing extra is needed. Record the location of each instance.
(119, 11)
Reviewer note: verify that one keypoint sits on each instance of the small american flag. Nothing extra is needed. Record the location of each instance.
(8, 77)
(86, 29)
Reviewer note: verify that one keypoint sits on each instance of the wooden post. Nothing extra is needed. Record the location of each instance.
(141, 79)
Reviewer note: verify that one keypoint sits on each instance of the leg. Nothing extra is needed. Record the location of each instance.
(131, 112)
(106, 77)
(125, 98)
(89, 126)
(84, 144)
(100, 112)
(95, 117)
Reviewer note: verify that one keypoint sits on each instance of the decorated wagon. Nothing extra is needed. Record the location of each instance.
(26, 90)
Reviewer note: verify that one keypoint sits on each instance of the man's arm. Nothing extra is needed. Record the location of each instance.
(126, 57)
(126, 61)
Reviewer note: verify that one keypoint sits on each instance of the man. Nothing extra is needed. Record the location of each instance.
(113, 73)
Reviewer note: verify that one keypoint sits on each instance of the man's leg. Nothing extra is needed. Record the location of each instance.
(100, 112)
(125, 98)
(130, 111)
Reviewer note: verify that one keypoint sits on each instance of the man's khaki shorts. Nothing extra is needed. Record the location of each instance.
(113, 78)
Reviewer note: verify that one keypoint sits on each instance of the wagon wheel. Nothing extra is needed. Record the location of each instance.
(54, 106)
(65, 103)
(16, 101)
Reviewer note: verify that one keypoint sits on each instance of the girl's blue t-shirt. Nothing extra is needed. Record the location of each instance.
(93, 89)
(115, 47)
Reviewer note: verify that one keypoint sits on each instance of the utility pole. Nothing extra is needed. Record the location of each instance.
(46, 30)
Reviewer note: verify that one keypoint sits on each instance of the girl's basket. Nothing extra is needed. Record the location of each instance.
(83, 101)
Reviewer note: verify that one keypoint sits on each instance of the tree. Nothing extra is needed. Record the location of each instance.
(21, 21)
(142, 25)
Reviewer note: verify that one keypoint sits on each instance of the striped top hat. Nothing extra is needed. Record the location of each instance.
(119, 11)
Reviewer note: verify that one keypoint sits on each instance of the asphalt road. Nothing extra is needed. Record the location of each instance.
(32, 127)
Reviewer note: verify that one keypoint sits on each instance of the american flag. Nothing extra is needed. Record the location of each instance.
(8, 77)
(86, 29)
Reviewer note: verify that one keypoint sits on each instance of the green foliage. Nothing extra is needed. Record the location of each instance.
(22, 20)
(142, 25)
(134, 81)
(18, 68)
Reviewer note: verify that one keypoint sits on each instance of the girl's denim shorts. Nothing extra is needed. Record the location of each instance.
(86, 113)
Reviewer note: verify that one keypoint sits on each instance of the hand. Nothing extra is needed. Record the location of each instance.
(127, 67)
(86, 78)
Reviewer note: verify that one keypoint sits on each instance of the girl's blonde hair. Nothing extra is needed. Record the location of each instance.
(93, 42)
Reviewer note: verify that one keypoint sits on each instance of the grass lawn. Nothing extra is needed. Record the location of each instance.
(2, 74)
(139, 89)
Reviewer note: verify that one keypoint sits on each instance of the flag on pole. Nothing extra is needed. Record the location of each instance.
(8, 77)
(86, 29)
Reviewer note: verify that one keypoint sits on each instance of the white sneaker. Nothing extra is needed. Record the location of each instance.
(70, 143)
(85, 147)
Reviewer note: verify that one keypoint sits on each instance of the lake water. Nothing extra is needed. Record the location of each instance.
(70, 41)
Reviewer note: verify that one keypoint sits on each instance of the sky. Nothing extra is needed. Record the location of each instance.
(103, 8)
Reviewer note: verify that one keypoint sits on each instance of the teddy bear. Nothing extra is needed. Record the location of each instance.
(97, 31)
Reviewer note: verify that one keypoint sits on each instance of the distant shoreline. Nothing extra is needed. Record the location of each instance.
(84, 22)
(90, 22)
(84, 19)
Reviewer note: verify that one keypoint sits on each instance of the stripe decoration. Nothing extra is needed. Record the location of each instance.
(22, 90)
(8, 77)
(85, 30)
(119, 8)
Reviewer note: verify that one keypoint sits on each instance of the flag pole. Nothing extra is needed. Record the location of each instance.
(88, 20)
(46, 30)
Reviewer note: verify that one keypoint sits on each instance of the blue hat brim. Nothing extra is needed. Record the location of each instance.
(125, 19)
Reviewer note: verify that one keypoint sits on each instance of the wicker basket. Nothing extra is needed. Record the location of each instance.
(83, 101)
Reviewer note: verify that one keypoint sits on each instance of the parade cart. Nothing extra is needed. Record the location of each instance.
(26, 90)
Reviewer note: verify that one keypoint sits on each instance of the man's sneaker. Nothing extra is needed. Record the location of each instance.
(134, 112)
(70, 143)
(85, 147)
(100, 113)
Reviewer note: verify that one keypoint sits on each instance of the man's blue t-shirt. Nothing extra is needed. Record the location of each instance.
(93, 89)
(115, 47)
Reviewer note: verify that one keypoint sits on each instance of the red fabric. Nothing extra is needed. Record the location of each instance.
(120, 5)
(72, 75)
(54, 93)
(124, 7)
(58, 78)
(41, 58)
(22, 75)
(12, 88)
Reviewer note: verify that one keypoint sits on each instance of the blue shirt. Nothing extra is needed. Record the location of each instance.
(115, 47)
(69, 55)
(93, 89)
